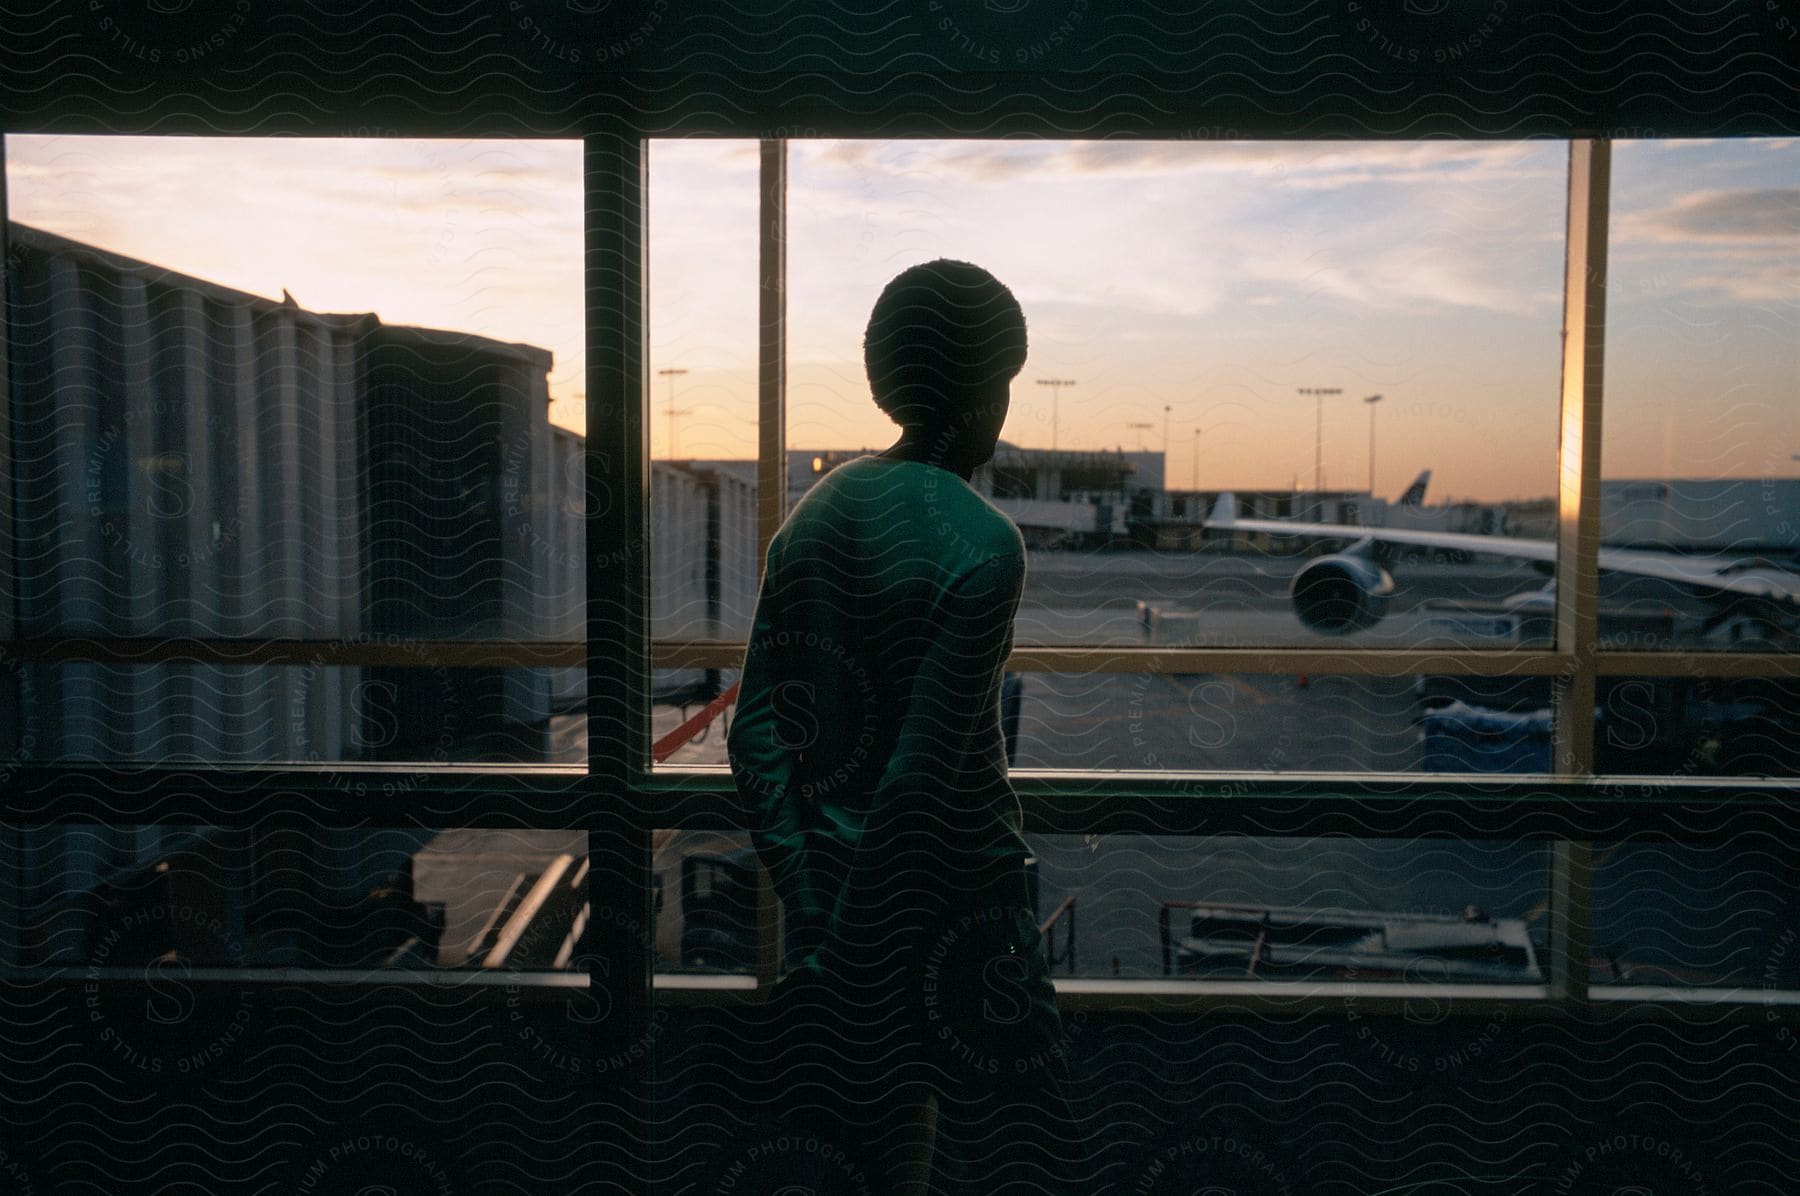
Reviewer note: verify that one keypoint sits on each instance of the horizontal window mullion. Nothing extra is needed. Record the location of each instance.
(1402, 805)
(452, 984)
(1399, 806)
(1265, 998)
(1384, 809)
(372, 650)
(675, 654)
(1276, 998)
(1376, 662)
(397, 652)
(315, 796)
(1697, 665)
(1380, 662)
(1074, 994)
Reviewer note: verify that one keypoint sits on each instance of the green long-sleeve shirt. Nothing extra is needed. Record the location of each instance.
(869, 710)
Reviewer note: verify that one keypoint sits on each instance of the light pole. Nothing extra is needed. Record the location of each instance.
(1165, 446)
(1319, 393)
(1371, 400)
(1196, 461)
(1055, 385)
(1141, 429)
(671, 374)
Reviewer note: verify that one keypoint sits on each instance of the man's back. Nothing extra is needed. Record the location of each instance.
(870, 763)
(869, 708)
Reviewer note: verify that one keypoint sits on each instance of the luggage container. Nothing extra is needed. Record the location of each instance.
(1463, 738)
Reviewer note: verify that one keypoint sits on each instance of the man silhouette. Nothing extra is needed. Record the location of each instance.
(868, 754)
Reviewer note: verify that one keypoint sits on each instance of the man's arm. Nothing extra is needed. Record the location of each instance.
(763, 755)
(955, 691)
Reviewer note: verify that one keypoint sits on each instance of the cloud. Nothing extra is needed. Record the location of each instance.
(1767, 284)
(1762, 214)
(1308, 164)
(1397, 277)
(1733, 246)
(1184, 228)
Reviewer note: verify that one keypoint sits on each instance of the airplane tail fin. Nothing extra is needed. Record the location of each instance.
(1224, 512)
(1414, 495)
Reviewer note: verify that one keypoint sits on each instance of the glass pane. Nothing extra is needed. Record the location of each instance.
(706, 894)
(703, 256)
(1702, 448)
(425, 711)
(314, 389)
(1323, 909)
(703, 563)
(1142, 906)
(1247, 591)
(1698, 727)
(1283, 724)
(703, 364)
(688, 724)
(1361, 336)
(1215, 722)
(1677, 913)
(164, 898)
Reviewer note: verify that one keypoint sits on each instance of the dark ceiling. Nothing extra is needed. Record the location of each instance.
(1169, 68)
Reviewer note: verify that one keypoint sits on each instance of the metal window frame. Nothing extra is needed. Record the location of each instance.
(1367, 662)
(771, 448)
(619, 799)
(1578, 490)
(616, 970)
(617, 462)
(622, 798)
(11, 694)
(9, 597)
(725, 654)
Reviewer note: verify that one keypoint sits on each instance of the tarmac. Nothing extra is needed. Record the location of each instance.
(1694, 920)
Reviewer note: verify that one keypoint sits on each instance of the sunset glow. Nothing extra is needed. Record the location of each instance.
(1211, 279)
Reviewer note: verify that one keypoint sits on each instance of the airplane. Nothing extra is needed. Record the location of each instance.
(1349, 590)
(1413, 497)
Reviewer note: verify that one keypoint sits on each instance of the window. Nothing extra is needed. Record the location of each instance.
(296, 452)
(1500, 740)
(1161, 645)
(702, 351)
(1702, 423)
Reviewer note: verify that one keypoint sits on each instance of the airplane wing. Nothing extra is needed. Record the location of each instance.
(1723, 575)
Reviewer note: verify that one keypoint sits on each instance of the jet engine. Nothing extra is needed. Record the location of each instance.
(1344, 592)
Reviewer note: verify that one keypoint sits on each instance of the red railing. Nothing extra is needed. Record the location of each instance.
(675, 740)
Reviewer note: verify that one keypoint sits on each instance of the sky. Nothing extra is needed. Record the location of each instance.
(473, 236)
(1189, 289)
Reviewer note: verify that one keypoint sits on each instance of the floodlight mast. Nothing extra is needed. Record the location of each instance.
(671, 374)
(1371, 400)
(1319, 393)
(1056, 385)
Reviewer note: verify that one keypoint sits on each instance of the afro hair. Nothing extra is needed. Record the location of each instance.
(942, 333)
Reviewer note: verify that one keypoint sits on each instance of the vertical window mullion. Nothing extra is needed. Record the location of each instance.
(1571, 912)
(616, 478)
(1577, 546)
(617, 463)
(771, 357)
(771, 443)
(12, 688)
(9, 575)
(1578, 491)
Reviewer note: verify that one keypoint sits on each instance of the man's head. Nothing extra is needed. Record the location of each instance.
(943, 345)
